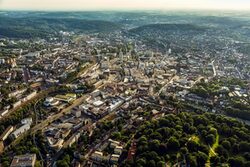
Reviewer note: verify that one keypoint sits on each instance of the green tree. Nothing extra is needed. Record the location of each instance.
(236, 161)
(226, 144)
(244, 146)
(141, 162)
(151, 163)
(201, 158)
(173, 144)
(160, 164)
(193, 161)
(210, 139)
(62, 163)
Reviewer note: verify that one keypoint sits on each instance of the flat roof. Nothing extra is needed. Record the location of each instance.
(23, 160)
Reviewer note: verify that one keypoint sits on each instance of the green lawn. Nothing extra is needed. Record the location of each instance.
(212, 149)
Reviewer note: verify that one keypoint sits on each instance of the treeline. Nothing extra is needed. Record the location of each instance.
(235, 112)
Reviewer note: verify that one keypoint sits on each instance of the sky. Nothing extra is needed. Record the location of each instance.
(123, 4)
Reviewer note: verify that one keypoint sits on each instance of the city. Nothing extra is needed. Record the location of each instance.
(160, 94)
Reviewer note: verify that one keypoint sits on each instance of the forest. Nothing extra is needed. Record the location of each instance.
(194, 139)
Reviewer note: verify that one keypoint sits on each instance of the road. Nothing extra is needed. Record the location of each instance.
(170, 81)
(49, 120)
(34, 135)
(84, 128)
(197, 81)
(81, 130)
(46, 122)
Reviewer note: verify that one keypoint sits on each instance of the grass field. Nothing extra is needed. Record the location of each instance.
(212, 152)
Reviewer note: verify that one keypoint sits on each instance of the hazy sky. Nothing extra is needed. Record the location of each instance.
(123, 4)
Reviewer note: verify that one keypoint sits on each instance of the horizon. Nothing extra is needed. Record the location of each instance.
(124, 5)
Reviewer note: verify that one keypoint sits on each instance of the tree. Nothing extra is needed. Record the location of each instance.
(162, 149)
(201, 158)
(6, 164)
(34, 150)
(160, 164)
(141, 162)
(62, 163)
(156, 135)
(235, 148)
(38, 164)
(215, 160)
(116, 135)
(154, 145)
(226, 144)
(186, 127)
(247, 156)
(173, 144)
(151, 163)
(210, 139)
(192, 146)
(192, 160)
(247, 163)
(213, 131)
(184, 150)
(236, 161)
(142, 140)
(244, 146)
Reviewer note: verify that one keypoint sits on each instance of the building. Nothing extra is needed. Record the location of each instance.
(27, 160)
(1, 147)
(114, 158)
(16, 104)
(77, 113)
(2, 61)
(4, 112)
(26, 121)
(31, 95)
(132, 151)
(20, 131)
(50, 101)
(66, 98)
(118, 150)
(113, 143)
(32, 55)
(6, 133)
(97, 156)
(115, 105)
(98, 103)
(17, 92)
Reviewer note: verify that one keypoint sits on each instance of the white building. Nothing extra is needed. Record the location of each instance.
(20, 131)
(118, 150)
(6, 133)
(50, 101)
(97, 156)
(26, 121)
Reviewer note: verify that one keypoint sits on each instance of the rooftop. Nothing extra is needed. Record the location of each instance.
(24, 160)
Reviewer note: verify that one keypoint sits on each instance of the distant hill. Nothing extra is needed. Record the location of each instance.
(161, 36)
(46, 27)
(153, 28)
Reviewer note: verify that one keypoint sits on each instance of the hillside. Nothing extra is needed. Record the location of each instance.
(46, 27)
(167, 28)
